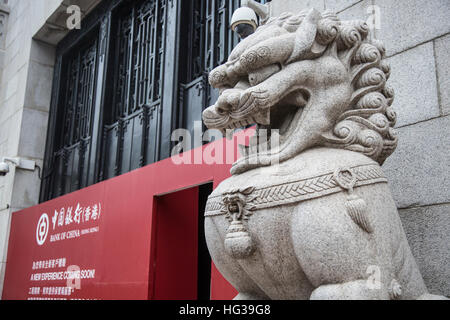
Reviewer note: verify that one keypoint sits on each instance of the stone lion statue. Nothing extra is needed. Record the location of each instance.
(311, 217)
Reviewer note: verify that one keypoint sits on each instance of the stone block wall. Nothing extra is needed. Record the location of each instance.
(4, 14)
(417, 37)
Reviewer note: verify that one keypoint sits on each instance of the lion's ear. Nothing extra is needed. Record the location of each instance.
(305, 37)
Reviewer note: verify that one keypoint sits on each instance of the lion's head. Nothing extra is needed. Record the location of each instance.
(318, 80)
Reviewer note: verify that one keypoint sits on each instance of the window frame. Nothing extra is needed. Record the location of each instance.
(174, 111)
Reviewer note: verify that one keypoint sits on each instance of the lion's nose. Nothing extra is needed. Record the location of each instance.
(215, 118)
(209, 114)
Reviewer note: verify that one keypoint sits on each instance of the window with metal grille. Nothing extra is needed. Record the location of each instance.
(131, 129)
(209, 40)
(72, 144)
(135, 71)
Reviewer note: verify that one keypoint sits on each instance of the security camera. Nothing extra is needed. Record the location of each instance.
(244, 22)
(4, 169)
(18, 163)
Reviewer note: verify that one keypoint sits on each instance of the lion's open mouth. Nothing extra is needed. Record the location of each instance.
(271, 138)
(274, 126)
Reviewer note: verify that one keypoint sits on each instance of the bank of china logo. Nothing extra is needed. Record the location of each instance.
(42, 229)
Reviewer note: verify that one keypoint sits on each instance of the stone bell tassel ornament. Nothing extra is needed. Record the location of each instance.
(238, 242)
(238, 207)
(357, 210)
(356, 206)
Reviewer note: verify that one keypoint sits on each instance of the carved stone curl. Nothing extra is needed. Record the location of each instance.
(322, 214)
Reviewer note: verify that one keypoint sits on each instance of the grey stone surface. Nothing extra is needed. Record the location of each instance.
(15, 90)
(33, 133)
(12, 86)
(4, 5)
(2, 59)
(294, 6)
(419, 170)
(428, 234)
(55, 14)
(50, 36)
(42, 11)
(414, 81)
(7, 182)
(339, 5)
(442, 47)
(85, 5)
(357, 11)
(310, 216)
(407, 23)
(60, 16)
(26, 189)
(3, 28)
(11, 130)
(4, 221)
(39, 86)
(2, 277)
(42, 53)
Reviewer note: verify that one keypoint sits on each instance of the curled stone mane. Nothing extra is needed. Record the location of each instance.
(368, 126)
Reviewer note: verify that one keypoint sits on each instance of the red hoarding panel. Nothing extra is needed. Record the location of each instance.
(221, 289)
(101, 231)
(103, 234)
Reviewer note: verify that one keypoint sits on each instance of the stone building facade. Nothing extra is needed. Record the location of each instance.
(417, 37)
